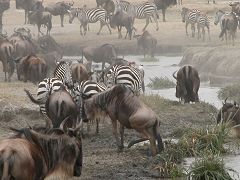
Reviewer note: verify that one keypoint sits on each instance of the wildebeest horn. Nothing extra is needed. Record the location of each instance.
(174, 75)
(63, 122)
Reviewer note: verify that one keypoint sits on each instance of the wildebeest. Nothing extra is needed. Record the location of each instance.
(122, 19)
(59, 9)
(147, 43)
(6, 56)
(188, 83)
(219, 17)
(4, 5)
(230, 112)
(27, 5)
(59, 105)
(79, 72)
(163, 5)
(229, 26)
(123, 106)
(100, 54)
(31, 155)
(41, 17)
(235, 7)
(23, 43)
(31, 68)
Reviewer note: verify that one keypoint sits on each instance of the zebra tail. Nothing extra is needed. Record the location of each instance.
(224, 27)
(35, 101)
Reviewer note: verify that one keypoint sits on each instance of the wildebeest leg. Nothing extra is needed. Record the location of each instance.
(101, 25)
(119, 32)
(122, 135)
(62, 18)
(97, 125)
(209, 34)
(203, 34)
(1, 15)
(115, 133)
(147, 22)
(193, 30)
(26, 17)
(103, 65)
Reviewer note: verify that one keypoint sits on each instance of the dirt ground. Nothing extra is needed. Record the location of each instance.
(101, 159)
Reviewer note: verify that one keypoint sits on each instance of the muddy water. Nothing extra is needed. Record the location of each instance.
(165, 68)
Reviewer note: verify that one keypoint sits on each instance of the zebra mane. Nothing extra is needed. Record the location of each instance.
(59, 65)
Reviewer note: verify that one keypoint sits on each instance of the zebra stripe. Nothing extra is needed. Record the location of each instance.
(63, 72)
(45, 88)
(140, 11)
(129, 76)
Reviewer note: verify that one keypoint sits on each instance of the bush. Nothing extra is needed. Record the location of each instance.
(160, 83)
(231, 91)
(209, 167)
(206, 139)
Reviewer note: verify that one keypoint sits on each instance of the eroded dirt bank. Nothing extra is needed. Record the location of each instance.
(218, 64)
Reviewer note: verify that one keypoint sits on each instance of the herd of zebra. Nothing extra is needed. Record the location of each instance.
(229, 21)
(121, 72)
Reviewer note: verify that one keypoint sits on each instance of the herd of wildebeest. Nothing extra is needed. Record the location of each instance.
(70, 94)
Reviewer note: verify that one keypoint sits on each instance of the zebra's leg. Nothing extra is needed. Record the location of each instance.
(147, 22)
(155, 19)
(81, 26)
(198, 28)
(203, 33)
(193, 29)
(101, 25)
(186, 26)
(105, 23)
(163, 13)
(209, 34)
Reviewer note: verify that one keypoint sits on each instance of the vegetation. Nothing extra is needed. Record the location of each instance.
(160, 83)
(209, 167)
(231, 91)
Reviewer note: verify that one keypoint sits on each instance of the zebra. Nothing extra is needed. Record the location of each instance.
(130, 76)
(202, 22)
(86, 16)
(190, 17)
(144, 10)
(62, 76)
(85, 90)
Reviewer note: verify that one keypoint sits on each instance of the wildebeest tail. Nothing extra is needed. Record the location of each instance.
(35, 101)
(6, 159)
(156, 131)
(224, 27)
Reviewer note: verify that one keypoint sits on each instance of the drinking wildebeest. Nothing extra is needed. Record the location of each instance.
(41, 17)
(147, 43)
(163, 5)
(188, 83)
(230, 112)
(123, 106)
(105, 53)
(6, 56)
(122, 19)
(229, 26)
(4, 5)
(32, 68)
(31, 155)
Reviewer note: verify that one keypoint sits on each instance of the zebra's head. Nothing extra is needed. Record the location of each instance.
(218, 16)
(63, 72)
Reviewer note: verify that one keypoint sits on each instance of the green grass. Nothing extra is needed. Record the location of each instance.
(209, 167)
(160, 83)
(231, 91)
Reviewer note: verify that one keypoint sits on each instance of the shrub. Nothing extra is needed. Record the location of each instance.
(231, 91)
(209, 167)
(211, 138)
(160, 83)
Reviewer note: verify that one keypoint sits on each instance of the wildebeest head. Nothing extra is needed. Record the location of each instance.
(72, 14)
(218, 16)
(224, 112)
(48, 44)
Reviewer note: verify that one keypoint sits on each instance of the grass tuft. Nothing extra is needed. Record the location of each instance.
(210, 167)
(160, 83)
